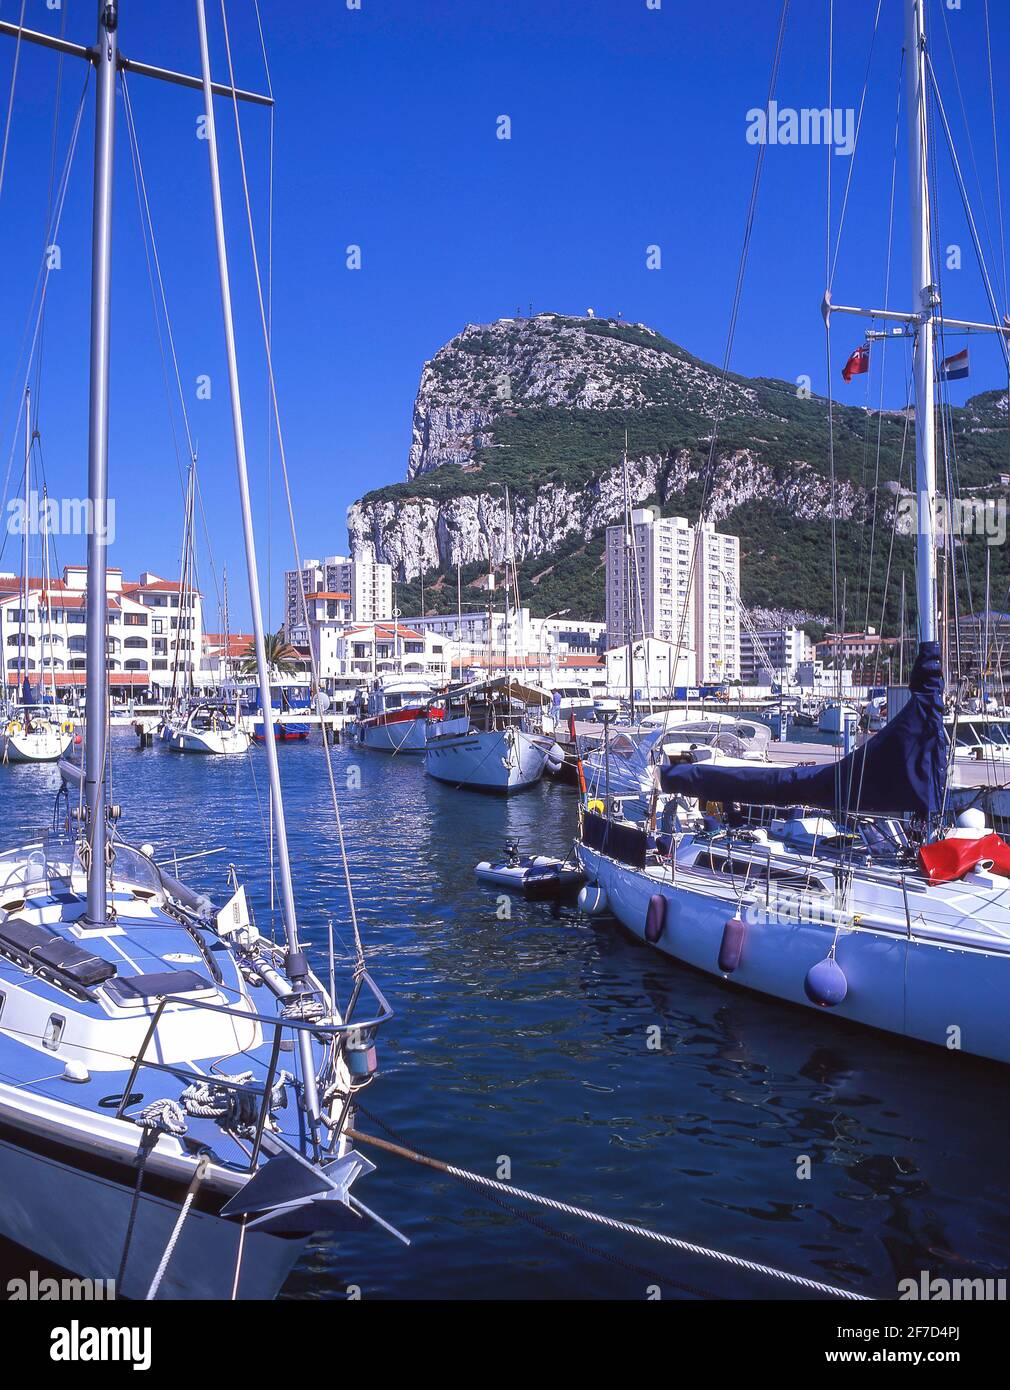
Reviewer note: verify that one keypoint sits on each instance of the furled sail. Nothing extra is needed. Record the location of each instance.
(900, 770)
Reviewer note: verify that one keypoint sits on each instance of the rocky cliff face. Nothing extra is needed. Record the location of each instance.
(543, 405)
(420, 534)
(577, 364)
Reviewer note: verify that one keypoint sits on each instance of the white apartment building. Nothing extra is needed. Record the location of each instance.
(477, 636)
(366, 585)
(652, 577)
(786, 648)
(46, 636)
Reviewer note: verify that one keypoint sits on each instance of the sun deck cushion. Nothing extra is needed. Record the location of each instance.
(47, 949)
(128, 989)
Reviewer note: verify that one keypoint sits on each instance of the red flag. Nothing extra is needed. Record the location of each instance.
(858, 363)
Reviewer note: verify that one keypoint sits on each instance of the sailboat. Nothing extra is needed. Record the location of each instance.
(32, 731)
(845, 889)
(496, 734)
(176, 1087)
(208, 727)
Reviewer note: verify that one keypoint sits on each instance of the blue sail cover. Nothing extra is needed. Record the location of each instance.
(900, 770)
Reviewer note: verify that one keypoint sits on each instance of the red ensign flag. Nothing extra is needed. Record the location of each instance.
(858, 363)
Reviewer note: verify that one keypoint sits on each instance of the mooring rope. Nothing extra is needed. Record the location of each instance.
(612, 1223)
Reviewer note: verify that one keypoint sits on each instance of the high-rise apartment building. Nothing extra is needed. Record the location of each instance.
(367, 585)
(651, 591)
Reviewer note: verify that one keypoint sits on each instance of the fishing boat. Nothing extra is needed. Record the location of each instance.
(207, 728)
(176, 1088)
(397, 713)
(492, 737)
(846, 888)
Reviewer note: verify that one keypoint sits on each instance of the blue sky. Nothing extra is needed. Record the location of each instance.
(628, 130)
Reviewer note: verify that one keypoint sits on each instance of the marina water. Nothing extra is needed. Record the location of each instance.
(579, 1064)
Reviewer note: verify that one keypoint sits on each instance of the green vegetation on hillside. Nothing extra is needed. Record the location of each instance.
(786, 561)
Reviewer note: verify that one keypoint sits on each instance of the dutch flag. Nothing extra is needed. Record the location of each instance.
(955, 368)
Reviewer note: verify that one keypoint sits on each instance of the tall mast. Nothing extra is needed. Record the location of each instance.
(23, 648)
(96, 711)
(296, 965)
(924, 301)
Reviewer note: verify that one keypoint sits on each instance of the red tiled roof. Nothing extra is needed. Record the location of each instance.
(383, 630)
(69, 678)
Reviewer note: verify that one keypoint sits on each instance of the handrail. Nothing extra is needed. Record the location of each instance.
(277, 1022)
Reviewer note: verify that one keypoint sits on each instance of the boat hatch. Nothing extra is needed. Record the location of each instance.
(138, 989)
(33, 946)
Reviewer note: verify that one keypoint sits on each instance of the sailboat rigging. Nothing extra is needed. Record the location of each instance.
(164, 1168)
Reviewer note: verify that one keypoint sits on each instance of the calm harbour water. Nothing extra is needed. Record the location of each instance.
(529, 1038)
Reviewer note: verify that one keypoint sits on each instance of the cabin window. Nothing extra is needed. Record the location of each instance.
(53, 1035)
(3, 1001)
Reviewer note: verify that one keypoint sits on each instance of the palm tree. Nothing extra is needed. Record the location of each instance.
(281, 656)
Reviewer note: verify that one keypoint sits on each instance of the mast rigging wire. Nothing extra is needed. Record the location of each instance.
(287, 491)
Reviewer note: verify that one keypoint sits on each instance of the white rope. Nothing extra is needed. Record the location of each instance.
(201, 1169)
(687, 1246)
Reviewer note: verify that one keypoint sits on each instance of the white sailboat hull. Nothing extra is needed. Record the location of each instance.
(43, 745)
(74, 1211)
(930, 990)
(504, 761)
(213, 741)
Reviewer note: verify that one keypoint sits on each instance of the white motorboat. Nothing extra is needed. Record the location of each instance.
(207, 729)
(493, 737)
(626, 763)
(398, 711)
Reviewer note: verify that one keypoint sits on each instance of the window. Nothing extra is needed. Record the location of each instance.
(157, 625)
(78, 664)
(135, 642)
(135, 619)
(135, 665)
